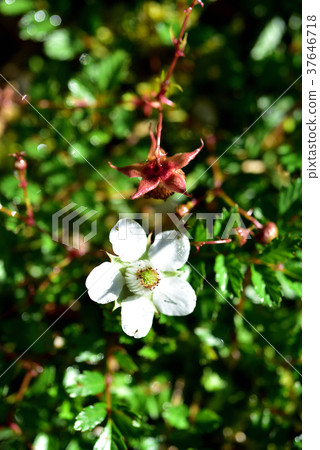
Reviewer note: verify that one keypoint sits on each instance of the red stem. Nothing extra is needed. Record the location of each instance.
(23, 184)
(218, 241)
(159, 131)
(220, 193)
(179, 51)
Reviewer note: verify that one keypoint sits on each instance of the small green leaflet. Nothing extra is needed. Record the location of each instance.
(280, 250)
(290, 195)
(266, 285)
(110, 438)
(228, 272)
(90, 417)
(105, 438)
(235, 274)
(177, 416)
(125, 361)
(221, 273)
(291, 288)
(87, 383)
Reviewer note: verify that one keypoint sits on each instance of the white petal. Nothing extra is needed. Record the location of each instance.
(104, 283)
(174, 297)
(170, 250)
(128, 239)
(137, 316)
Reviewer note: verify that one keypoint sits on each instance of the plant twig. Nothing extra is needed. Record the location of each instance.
(179, 44)
(218, 241)
(228, 200)
(20, 166)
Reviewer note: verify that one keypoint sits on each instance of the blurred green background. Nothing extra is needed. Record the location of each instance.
(206, 381)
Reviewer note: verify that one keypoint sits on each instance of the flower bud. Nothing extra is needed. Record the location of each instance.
(267, 233)
(241, 235)
(20, 164)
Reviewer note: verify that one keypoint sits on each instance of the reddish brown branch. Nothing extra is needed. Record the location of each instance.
(228, 200)
(179, 44)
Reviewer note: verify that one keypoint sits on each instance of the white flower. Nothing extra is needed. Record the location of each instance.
(143, 278)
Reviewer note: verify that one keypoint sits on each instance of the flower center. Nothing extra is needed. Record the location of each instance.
(141, 277)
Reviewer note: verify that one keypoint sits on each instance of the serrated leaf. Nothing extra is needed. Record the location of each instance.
(266, 285)
(105, 438)
(221, 274)
(291, 288)
(290, 195)
(87, 383)
(280, 250)
(90, 417)
(235, 274)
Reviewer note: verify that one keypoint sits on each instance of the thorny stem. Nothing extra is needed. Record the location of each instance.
(20, 166)
(23, 184)
(228, 200)
(179, 46)
(159, 131)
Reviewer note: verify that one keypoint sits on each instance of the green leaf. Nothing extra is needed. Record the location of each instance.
(148, 353)
(200, 233)
(177, 416)
(43, 381)
(280, 250)
(81, 91)
(235, 274)
(291, 288)
(125, 361)
(290, 195)
(16, 7)
(221, 274)
(61, 45)
(197, 275)
(87, 383)
(110, 71)
(266, 285)
(105, 438)
(207, 420)
(44, 441)
(89, 357)
(90, 417)
(128, 426)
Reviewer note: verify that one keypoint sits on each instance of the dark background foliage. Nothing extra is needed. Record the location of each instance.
(206, 381)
